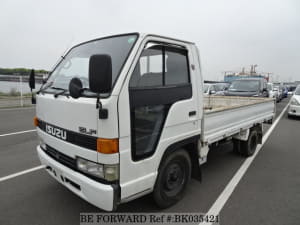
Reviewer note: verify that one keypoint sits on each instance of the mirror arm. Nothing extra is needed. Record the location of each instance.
(103, 113)
(98, 102)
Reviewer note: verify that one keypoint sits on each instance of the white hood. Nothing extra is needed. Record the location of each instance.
(68, 113)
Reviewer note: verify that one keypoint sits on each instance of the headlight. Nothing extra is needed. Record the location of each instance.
(294, 102)
(89, 167)
(107, 172)
(111, 172)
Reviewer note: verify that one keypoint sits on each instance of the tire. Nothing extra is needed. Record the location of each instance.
(173, 177)
(236, 146)
(248, 147)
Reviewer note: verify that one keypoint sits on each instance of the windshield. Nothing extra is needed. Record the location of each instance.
(76, 62)
(297, 92)
(244, 85)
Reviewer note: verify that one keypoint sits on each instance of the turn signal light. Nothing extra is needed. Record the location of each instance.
(107, 146)
(35, 121)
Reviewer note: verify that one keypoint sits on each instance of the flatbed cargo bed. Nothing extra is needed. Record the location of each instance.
(227, 115)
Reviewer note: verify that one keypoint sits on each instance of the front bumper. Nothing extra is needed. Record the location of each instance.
(294, 110)
(101, 195)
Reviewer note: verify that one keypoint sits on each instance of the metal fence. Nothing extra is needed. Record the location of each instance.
(14, 92)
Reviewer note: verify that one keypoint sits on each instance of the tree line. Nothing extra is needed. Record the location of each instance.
(19, 71)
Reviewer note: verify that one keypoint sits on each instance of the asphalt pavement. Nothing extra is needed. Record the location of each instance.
(267, 194)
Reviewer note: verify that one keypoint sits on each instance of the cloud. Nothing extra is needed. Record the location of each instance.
(230, 34)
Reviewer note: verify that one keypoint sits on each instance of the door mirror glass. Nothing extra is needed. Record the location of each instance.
(100, 73)
(75, 87)
(32, 80)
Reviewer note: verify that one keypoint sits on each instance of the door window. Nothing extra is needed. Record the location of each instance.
(156, 76)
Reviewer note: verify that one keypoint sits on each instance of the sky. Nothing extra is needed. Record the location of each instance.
(230, 34)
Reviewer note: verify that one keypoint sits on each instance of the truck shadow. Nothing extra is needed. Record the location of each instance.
(216, 173)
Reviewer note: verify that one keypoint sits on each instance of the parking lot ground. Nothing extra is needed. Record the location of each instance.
(36, 198)
(16, 119)
(269, 192)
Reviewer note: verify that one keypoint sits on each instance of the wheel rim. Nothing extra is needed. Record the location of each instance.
(174, 179)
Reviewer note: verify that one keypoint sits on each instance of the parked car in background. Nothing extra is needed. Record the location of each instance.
(294, 108)
(215, 88)
(284, 92)
(209, 89)
(252, 87)
(277, 93)
(221, 88)
(279, 89)
(272, 93)
(291, 89)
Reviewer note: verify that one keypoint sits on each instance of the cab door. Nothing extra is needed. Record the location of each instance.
(161, 107)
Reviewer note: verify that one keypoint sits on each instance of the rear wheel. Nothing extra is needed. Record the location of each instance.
(174, 175)
(248, 147)
(236, 146)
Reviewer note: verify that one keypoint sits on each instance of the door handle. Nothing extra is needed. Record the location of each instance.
(192, 113)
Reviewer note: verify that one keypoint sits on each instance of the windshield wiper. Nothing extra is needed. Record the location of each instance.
(44, 88)
(63, 91)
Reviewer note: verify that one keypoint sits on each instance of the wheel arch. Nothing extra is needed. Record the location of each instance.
(190, 145)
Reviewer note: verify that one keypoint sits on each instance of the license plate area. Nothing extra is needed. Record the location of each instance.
(59, 176)
(57, 173)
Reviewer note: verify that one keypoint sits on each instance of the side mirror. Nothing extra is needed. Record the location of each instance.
(75, 87)
(32, 86)
(100, 73)
(32, 80)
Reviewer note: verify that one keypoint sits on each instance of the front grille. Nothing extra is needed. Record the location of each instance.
(60, 157)
(82, 140)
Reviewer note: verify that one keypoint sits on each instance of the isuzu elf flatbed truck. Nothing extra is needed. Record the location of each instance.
(123, 116)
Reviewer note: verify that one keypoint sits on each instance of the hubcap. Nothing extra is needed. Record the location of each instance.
(175, 177)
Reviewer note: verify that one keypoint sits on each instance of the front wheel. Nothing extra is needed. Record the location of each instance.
(173, 177)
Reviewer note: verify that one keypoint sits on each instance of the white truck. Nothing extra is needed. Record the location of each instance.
(123, 116)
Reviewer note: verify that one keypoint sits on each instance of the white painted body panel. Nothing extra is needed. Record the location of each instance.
(68, 113)
(294, 110)
(229, 115)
